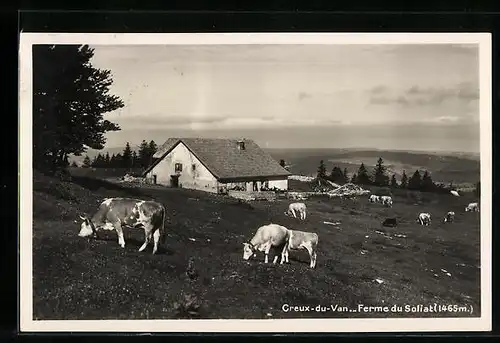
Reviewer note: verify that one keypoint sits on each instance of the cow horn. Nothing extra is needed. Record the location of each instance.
(82, 217)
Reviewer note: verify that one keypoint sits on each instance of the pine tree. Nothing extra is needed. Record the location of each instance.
(337, 175)
(118, 161)
(153, 148)
(346, 176)
(427, 183)
(404, 180)
(70, 97)
(107, 160)
(86, 161)
(135, 160)
(322, 170)
(144, 154)
(415, 181)
(354, 178)
(379, 174)
(363, 178)
(394, 183)
(127, 156)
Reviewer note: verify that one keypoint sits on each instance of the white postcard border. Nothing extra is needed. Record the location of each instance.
(27, 324)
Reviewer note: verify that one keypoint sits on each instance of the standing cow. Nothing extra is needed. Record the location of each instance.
(374, 198)
(386, 200)
(424, 219)
(297, 208)
(114, 213)
(450, 217)
(298, 240)
(267, 237)
(472, 207)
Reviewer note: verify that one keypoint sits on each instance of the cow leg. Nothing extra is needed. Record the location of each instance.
(275, 259)
(304, 215)
(119, 233)
(266, 252)
(313, 259)
(294, 214)
(284, 253)
(147, 237)
(156, 237)
(312, 255)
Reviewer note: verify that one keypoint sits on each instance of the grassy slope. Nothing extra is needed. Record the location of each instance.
(77, 278)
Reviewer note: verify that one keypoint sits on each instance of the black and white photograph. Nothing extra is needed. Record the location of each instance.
(255, 182)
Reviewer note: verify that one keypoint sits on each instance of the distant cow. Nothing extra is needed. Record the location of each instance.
(267, 237)
(374, 198)
(298, 240)
(297, 207)
(472, 207)
(114, 213)
(455, 193)
(450, 217)
(386, 200)
(390, 222)
(424, 219)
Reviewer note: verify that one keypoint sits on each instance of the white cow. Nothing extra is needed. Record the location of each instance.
(114, 213)
(297, 207)
(455, 193)
(266, 237)
(386, 200)
(424, 219)
(472, 207)
(450, 217)
(302, 240)
(374, 198)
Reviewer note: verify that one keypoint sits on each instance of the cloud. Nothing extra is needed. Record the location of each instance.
(379, 89)
(304, 95)
(224, 123)
(418, 96)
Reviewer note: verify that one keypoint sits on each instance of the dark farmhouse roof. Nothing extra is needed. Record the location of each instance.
(224, 159)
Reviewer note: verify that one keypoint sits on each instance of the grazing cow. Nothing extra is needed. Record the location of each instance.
(390, 222)
(374, 198)
(472, 207)
(450, 217)
(297, 207)
(302, 240)
(114, 213)
(455, 193)
(386, 200)
(424, 219)
(267, 237)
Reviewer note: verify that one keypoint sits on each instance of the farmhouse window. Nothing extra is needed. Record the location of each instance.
(178, 167)
(193, 167)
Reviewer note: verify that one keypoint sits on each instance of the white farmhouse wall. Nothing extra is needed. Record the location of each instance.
(194, 174)
(279, 184)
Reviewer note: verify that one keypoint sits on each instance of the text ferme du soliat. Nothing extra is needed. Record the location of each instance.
(431, 308)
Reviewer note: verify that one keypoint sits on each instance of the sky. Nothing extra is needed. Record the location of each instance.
(415, 97)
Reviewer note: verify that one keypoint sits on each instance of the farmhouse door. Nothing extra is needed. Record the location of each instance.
(174, 181)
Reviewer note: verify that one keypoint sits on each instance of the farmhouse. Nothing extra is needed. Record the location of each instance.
(216, 165)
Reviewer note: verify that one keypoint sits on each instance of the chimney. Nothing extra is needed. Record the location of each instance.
(241, 144)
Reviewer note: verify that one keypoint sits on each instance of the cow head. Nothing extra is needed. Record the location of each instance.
(87, 228)
(248, 251)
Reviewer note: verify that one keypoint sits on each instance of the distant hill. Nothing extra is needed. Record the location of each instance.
(443, 166)
(447, 167)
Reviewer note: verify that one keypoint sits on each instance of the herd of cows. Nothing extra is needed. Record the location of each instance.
(115, 213)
